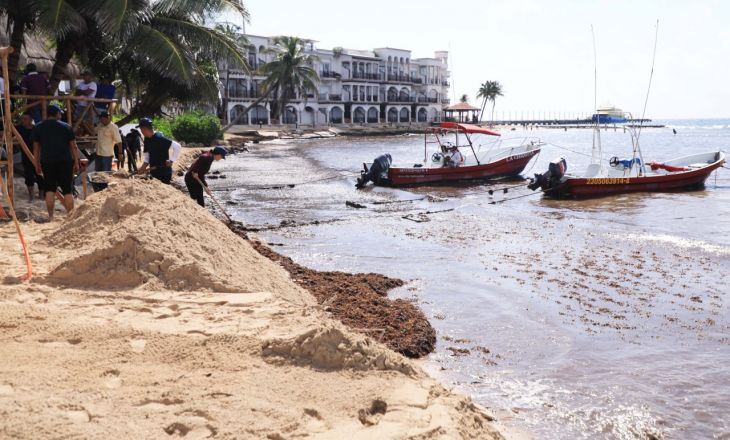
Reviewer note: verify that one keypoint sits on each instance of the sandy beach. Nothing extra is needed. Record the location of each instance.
(148, 318)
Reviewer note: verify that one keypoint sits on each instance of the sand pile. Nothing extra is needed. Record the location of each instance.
(208, 339)
(142, 233)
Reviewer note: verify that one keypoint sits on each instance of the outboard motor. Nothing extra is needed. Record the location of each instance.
(378, 171)
(551, 178)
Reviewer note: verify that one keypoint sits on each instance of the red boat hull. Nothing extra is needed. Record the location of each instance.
(510, 166)
(581, 188)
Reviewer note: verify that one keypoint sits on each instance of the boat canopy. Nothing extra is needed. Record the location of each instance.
(467, 128)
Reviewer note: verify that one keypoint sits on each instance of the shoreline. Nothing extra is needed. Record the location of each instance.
(129, 330)
(360, 301)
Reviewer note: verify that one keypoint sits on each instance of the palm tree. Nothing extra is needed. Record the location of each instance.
(289, 75)
(163, 44)
(464, 98)
(483, 93)
(494, 89)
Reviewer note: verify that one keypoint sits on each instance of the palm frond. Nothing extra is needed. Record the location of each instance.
(200, 8)
(57, 17)
(119, 17)
(162, 54)
(211, 42)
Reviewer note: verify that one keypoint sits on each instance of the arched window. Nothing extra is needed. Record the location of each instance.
(373, 115)
(392, 115)
(290, 116)
(422, 115)
(405, 115)
(336, 115)
(359, 115)
(259, 115)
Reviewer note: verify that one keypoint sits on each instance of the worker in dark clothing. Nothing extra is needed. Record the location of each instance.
(25, 129)
(57, 158)
(195, 177)
(159, 152)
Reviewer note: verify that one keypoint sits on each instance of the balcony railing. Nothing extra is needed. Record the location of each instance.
(401, 99)
(428, 100)
(330, 97)
(329, 74)
(404, 78)
(244, 94)
(367, 76)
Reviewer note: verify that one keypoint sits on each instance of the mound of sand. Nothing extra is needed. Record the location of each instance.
(143, 233)
(208, 339)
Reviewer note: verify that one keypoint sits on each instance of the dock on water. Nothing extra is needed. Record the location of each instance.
(573, 123)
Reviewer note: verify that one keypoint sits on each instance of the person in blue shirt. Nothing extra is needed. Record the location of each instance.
(104, 90)
(57, 160)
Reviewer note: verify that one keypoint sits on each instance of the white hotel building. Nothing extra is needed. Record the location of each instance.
(356, 87)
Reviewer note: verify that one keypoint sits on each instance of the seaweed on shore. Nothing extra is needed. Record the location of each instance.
(360, 302)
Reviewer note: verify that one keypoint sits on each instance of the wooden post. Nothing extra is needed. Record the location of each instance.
(7, 119)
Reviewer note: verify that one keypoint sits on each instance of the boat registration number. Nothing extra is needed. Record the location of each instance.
(608, 181)
(518, 156)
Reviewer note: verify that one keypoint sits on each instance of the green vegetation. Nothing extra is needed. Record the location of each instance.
(464, 98)
(161, 49)
(489, 91)
(196, 127)
(163, 125)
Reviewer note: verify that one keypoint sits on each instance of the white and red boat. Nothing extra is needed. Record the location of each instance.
(448, 163)
(627, 175)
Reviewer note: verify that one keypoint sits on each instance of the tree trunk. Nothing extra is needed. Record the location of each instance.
(494, 102)
(484, 105)
(65, 50)
(17, 40)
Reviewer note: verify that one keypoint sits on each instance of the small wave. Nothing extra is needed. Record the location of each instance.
(684, 243)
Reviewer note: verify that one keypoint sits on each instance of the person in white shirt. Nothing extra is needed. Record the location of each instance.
(457, 159)
(85, 89)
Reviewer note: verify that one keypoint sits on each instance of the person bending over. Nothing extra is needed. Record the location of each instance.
(57, 160)
(195, 177)
(159, 152)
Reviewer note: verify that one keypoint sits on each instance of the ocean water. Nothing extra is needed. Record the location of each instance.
(603, 318)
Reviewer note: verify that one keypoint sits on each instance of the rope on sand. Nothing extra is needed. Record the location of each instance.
(29, 273)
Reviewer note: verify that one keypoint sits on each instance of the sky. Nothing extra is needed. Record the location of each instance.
(540, 51)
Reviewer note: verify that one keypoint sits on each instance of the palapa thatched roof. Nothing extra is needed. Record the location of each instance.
(37, 49)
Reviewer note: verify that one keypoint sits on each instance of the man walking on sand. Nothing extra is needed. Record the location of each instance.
(159, 152)
(107, 142)
(195, 177)
(54, 146)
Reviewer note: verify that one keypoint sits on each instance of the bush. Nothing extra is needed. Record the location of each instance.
(196, 127)
(163, 125)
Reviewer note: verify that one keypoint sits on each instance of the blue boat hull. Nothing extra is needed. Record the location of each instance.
(607, 119)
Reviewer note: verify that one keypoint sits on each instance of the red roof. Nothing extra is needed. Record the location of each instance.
(462, 107)
(468, 128)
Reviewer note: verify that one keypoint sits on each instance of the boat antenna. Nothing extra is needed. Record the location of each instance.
(596, 150)
(651, 76)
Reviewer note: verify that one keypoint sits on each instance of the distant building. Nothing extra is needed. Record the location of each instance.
(362, 87)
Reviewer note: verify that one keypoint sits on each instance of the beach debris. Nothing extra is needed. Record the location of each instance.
(371, 416)
(354, 205)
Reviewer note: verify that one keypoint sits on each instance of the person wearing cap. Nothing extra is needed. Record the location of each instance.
(57, 160)
(159, 152)
(108, 141)
(195, 177)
